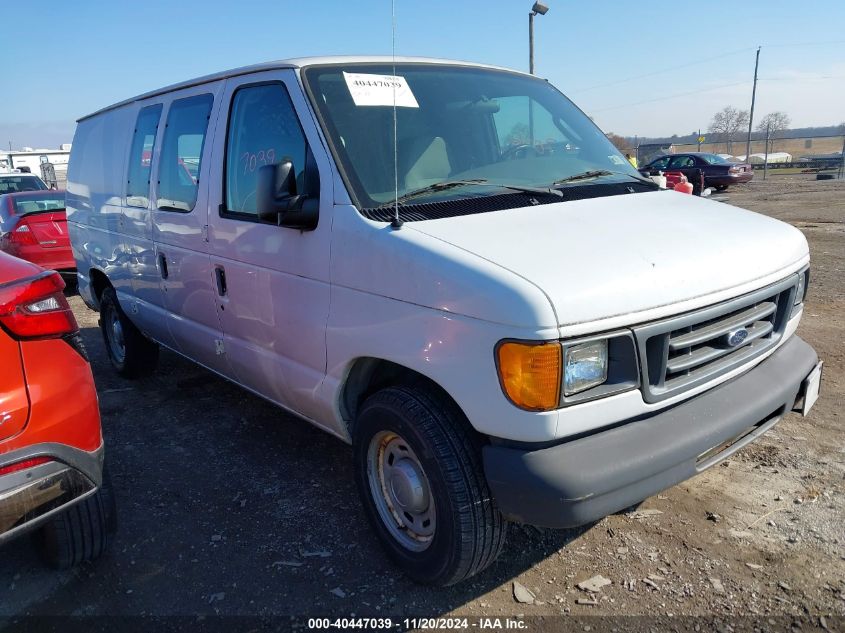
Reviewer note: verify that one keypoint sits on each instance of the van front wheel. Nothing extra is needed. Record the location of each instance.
(131, 353)
(419, 473)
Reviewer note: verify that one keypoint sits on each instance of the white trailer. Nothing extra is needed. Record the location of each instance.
(29, 159)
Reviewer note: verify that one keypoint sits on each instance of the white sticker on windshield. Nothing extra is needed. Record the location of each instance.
(379, 90)
(616, 160)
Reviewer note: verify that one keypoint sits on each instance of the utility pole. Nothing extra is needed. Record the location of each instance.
(699, 139)
(766, 159)
(842, 163)
(751, 115)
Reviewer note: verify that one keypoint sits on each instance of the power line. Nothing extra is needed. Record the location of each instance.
(805, 44)
(802, 79)
(674, 96)
(660, 72)
(701, 61)
(692, 92)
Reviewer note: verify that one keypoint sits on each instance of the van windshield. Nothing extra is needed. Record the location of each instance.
(456, 123)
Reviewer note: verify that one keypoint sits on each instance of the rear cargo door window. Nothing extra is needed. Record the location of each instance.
(263, 130)
(141, 156)
(181, 152)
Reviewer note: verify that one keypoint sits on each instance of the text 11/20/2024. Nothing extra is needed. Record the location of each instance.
(353, 623)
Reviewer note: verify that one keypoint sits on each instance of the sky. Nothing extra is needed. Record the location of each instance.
(638, 68)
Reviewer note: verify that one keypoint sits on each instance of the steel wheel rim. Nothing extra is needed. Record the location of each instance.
(401, 491)
(114, 334)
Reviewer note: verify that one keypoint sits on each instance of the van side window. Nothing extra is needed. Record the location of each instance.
(181, 152)
(263, 130)
(141, 156)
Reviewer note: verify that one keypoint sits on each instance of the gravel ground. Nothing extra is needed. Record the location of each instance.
(229, 506)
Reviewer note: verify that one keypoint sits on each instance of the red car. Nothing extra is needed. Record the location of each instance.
(33, 227)
(718, 172)
(51, 448)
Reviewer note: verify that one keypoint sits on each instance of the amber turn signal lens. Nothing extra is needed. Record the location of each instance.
(530, 374)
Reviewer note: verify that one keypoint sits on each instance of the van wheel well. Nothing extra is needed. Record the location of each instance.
(99, 282)
(369, 375)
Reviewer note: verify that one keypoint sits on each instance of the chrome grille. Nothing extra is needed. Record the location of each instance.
(688, 350)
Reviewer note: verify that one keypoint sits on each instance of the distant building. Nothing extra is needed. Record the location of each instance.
(29, 159)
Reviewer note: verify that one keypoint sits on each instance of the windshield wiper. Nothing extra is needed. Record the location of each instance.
(454, 184)
(598, 173)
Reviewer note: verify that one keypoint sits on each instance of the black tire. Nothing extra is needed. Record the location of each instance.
(470, 531)
(131, 353)
(81, 533)
(720, 187)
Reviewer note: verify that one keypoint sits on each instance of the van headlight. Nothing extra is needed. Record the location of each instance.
(547, 375)
(584, 366)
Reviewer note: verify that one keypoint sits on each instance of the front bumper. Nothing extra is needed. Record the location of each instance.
(586, 479)
(30, 497)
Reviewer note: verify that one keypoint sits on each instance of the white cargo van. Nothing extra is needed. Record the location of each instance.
(448, 266)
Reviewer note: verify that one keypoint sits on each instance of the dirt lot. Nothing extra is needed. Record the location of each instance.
(229, 506)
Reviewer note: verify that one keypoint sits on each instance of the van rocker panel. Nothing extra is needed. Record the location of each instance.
(581, 481)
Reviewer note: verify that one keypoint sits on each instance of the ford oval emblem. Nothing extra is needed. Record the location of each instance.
(736, 337)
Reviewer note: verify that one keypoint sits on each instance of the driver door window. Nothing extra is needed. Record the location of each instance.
(263, 130)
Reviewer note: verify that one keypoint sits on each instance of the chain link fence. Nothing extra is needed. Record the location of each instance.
(811, 153)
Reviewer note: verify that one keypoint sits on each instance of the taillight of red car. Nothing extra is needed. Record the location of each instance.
(21, 235)
(36, 308)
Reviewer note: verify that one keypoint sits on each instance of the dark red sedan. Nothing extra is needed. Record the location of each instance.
(718, 172)
(33, 227)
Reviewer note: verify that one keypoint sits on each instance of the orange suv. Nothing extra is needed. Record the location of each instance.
(51, 448)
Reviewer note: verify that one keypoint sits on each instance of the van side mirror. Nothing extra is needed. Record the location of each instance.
(278, 200)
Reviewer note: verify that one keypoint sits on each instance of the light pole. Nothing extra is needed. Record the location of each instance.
(538, 9)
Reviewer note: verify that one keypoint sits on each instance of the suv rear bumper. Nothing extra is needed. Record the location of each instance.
(31, 496)
(586, 479)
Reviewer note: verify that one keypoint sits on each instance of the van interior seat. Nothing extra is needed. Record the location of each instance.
(430, 166)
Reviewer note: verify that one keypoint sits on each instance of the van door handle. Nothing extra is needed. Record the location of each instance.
(220, 276)
(162, 264)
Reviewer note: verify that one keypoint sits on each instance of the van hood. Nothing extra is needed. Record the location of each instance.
(629, 258)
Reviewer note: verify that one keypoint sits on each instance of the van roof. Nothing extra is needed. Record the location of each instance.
(299, 62)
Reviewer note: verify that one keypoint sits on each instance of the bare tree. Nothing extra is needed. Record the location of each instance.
(776, 122)
(620, 142)
(727, 123)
